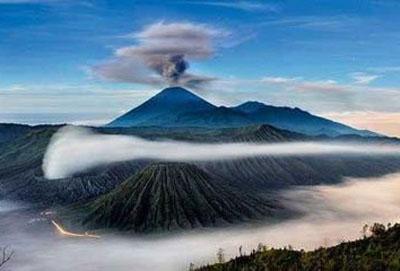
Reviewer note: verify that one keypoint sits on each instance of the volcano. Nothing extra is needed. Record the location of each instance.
(171, 196)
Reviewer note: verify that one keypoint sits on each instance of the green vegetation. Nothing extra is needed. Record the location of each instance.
(380, 251)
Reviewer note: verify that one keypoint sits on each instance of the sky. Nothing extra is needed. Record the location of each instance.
(87, 61)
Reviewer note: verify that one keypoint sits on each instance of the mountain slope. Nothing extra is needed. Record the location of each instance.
(163, 109)
(178, 107)
(11, 131)
(295, 119)
(21, 176)
(169, 196)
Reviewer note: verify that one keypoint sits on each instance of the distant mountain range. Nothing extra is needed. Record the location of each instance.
(178, 107)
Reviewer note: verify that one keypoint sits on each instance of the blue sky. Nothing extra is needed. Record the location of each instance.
(334, 58)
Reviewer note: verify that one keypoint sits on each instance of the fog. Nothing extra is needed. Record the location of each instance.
(74, 149)
(330, 214)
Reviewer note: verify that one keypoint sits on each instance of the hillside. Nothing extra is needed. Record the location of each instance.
(177, 107)
(295, 119)
(9, 131)
(170, 196)
(21, 176)
(378, 252)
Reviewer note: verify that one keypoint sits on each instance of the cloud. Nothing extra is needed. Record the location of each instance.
(363, 78)
(331, 214)
(320, 86)
(239, 5)
(320, 96)
(161, 55)
(383, 122)
(279, 80)
(298, 83)
(333, 24)
(387, 69)
(74, 149)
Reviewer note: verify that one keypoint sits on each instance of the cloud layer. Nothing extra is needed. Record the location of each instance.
(162, 55)
(75, 149)
(331, 214)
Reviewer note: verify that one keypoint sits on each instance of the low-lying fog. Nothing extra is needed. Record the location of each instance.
(74, 149)
(331, 214)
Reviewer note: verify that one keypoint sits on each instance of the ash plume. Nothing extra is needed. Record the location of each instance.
(170, 67)
(162, 55)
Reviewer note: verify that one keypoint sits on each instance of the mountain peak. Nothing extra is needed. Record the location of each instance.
(163, 108)
(177, 95)
(175, 90)
(251, 106)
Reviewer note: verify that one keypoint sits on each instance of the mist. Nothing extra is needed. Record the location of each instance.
(331, 214)
(75, 149)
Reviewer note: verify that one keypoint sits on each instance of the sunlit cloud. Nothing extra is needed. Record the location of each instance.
(387, 123)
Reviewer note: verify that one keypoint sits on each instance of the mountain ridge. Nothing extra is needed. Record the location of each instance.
(178, 107)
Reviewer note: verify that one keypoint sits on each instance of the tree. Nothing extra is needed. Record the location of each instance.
(364, 230)
(6, 255)
(260, 247)
(377, 229)
(221, 256)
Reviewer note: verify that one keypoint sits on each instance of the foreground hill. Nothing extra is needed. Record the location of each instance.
(378, 252)
(170, 196)
(178, 107)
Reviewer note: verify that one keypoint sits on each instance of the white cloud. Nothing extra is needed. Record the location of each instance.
(363, 78)
(73, 150)
(251, 6)
(279, 80)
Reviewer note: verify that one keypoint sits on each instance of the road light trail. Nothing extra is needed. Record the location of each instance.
(71, 234)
